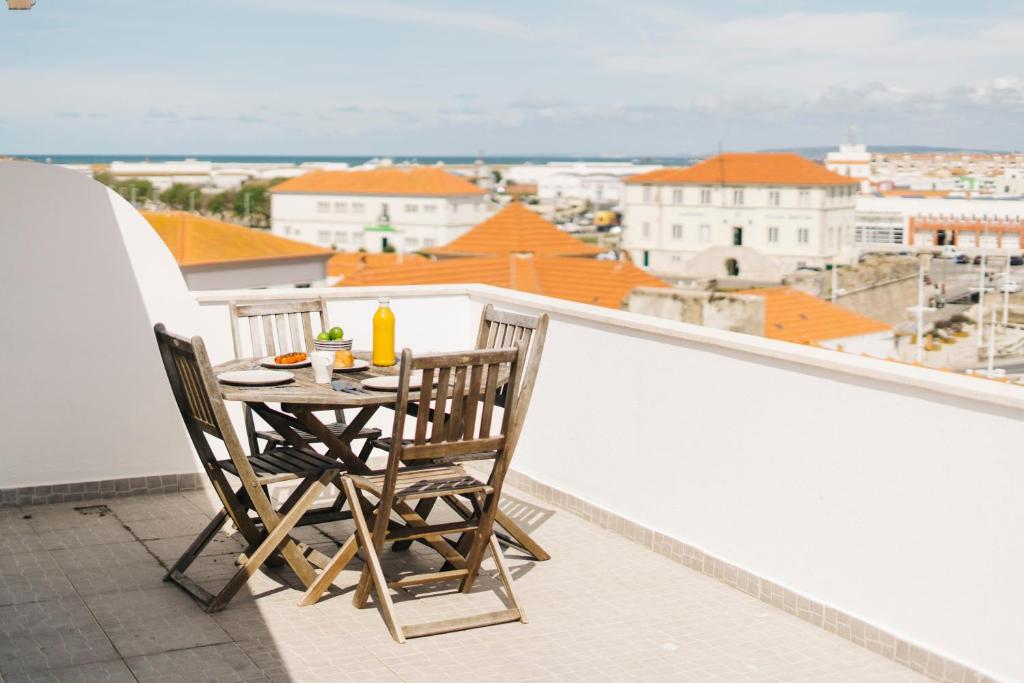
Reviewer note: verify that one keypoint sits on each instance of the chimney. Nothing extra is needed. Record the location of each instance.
(20, 4)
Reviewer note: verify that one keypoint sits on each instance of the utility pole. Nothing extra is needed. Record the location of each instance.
(835, 266)
(1006, 292)
(981, 298)
(992, 347)
(920, 309)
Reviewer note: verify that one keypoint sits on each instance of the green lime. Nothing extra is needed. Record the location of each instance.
(323, 336)
(336, 333)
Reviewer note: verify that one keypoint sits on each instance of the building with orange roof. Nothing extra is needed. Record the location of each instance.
(346, 264)
(755, 216)
(389, 208)
(213, 254)
(516, 229)
(590, 281)
(796, 316)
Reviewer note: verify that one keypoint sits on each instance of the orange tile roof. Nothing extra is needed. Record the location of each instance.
(771, 168)
(348, 263)
(796, 316)
(516, 230)
(195, 240)
(417, 180)
(591, 281)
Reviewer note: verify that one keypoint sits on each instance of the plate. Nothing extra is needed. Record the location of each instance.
(357, 365)
(390, 382)
(268, 362)
(256, 378)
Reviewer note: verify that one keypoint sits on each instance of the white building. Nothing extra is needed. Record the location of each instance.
(599, 182)
(755, 216)
(401, 208)
(852, 161)
(884, 220)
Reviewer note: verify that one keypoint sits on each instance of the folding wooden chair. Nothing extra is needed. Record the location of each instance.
(464, 387)
(278, 327)
(196, 391)
(501, 329)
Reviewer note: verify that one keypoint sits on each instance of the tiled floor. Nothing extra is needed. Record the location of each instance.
(82, 599)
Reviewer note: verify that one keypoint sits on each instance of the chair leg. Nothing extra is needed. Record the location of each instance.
(278, 538)
(505, 575)
(372, 568)
(197, 546)
(340, 560)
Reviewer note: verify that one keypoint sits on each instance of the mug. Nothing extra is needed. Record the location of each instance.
(323, 364)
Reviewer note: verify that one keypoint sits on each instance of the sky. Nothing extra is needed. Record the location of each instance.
(446, 77)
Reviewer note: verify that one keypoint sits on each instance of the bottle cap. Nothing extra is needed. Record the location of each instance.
(384, 301)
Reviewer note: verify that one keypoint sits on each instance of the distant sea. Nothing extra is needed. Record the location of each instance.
(351, 160)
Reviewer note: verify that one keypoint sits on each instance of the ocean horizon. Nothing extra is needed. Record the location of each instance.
(349, 159)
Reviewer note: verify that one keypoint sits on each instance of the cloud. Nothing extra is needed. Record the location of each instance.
(424, 15)
(348, 110)
(158, 114)
(535, 100)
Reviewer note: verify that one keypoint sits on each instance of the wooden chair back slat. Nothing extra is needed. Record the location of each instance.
(464, 380)
(278, 327)
(529, 330)
(437, 432)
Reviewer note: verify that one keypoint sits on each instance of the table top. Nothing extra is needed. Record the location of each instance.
(305, 391)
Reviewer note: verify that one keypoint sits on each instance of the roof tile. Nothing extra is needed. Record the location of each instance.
(773, 168)
(796, 316)
(516, 229)
(196, 240)
(415, 181)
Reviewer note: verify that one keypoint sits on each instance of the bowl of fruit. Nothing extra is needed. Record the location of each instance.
(332, 340)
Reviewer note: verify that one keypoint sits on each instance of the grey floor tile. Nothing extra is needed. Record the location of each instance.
(153, 621)
(54, 649)
(113, 671)
(168, 527)
(31, 577)
(100, 531)
(221, 663)
(124, 554)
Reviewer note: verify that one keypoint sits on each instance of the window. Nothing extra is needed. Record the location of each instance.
(805, 198)
(358, 207)
(677, 231)
(705, 196)
(737, 197)
(429, 208)
(340, 237)
(412, 242)
(677, 196)
(340, 207)
(647, 194)
(646, 230)
(428, 241)
(675, 258)
(705, 233)
(323, 236)
(323, 207)
(803, 235)
(412, 208)
(357, 236)
(774, 198)
(732, 267)
(773, 235)
(737, 237)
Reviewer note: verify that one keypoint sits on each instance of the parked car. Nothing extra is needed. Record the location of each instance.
(948, 251)
(1017, 260)
(1008, 286)
(977, 260)
(961, 258)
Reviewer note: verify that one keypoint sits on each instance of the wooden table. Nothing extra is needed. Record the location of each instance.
(301, 399)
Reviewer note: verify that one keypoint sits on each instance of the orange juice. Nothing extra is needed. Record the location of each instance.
(384, 334)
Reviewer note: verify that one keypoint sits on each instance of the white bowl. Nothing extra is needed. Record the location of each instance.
(336, 345)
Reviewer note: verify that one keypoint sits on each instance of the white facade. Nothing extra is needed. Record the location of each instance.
(755, 232)
(851, 160)
(884, 221)
(599, 182)
(341, 221)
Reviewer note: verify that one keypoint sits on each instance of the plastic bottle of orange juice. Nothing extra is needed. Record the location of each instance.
(383, 333)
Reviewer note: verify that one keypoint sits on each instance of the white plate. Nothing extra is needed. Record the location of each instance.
(357, 365)
(268, 362)
(390, 382)
(256, 378)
